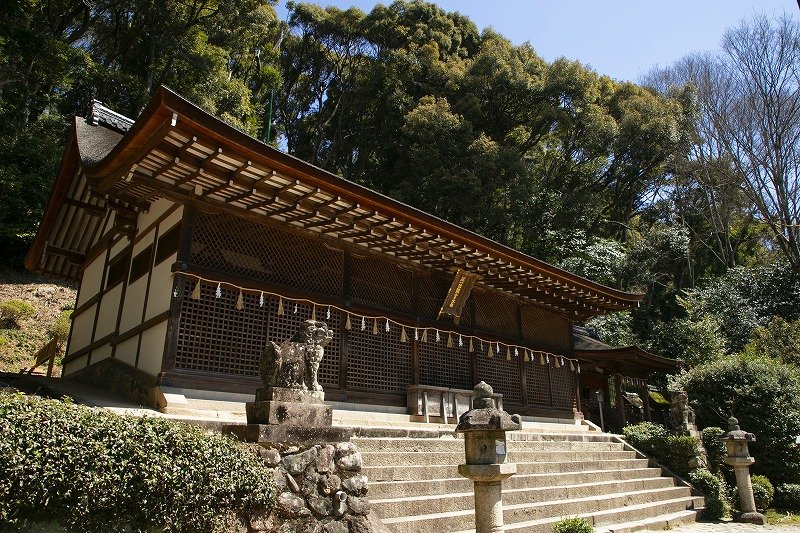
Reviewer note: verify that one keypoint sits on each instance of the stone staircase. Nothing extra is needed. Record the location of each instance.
(563, 470)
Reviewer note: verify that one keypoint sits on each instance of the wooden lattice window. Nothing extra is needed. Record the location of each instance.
(283, 327)
(563, 386)
(541, 326)
(214, 336)
(378, 362)
(377, 283)
(502, 375)
(537, 382)
(441, 366)
(495, 313)
(432, 292)
(239, 246)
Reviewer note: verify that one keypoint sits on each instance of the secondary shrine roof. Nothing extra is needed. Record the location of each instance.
(176, 150)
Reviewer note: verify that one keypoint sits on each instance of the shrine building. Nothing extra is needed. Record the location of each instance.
(195, 244)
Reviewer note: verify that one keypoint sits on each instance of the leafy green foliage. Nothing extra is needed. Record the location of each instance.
(779, 340)
(715, 490)
(715, 448)
(16, 311)
(694, 341)
(764, 396)
(672, 451)
(787, 497)
(745, 299)
(61, 326)
(573, 525)
(763, 492)
(96, 471)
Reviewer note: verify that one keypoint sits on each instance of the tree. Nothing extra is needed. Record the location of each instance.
(747, 133)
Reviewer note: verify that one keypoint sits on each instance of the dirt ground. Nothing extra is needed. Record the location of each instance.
(48, 296)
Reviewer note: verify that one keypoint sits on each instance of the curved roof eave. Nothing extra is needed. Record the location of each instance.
(166, 107)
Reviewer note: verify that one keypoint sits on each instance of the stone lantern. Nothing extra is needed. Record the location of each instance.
(484, 429)
(738, 457)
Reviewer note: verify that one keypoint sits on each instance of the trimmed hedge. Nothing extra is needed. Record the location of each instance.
(672, 451)
(573, 525)
(715, 490)
(91, 470)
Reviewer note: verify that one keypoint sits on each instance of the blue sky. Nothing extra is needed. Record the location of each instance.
(620, 38)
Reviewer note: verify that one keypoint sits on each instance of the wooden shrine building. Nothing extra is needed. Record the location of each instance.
(195, 244)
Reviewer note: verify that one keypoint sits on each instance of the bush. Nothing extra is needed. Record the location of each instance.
(763, 491)
(15, 311)
(95, 471)
(715, 448)
(573, 525)
(60, 328)
(715, 490)
(787, 497)
(779, 340)
(672, 451)
(764, 396)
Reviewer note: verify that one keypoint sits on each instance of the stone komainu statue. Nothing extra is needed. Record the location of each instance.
(294, 364)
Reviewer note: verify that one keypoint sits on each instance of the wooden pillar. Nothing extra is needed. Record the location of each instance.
(620, 401)
(645, 395)
(577, 392)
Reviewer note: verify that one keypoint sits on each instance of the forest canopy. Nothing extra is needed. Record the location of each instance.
(676, 187)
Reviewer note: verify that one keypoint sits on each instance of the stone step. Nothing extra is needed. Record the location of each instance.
(457, 501)
(395, 489)
(514, 456)
(426, 445)
(424, 472)
(539, 518)
(662, 522)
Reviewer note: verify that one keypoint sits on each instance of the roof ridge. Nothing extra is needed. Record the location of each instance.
(99, 114)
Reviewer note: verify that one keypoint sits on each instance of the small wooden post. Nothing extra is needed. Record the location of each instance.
(620, 401)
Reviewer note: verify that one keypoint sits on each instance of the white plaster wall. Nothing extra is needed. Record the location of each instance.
(161, 284)
(157, 209)
(103, 352)
(151, 353)
(91, 280)
(82, 330)
(126, 351)
(74, 366)
(109, 307)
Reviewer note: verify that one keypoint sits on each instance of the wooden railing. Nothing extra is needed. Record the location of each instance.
(427, 400)
(46, 354)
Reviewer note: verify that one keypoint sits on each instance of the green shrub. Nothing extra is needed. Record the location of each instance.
(764, 396)
(60, 327)
(95, 471)
(715, 448)
(573, 525)
(672, 451)
(15, 311)
(787, 497)
(715, 490)
(763, 492)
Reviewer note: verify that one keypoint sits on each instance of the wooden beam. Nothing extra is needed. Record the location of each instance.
(73, 256)
(92, 210)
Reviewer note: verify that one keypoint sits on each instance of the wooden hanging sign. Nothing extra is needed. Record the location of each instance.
(459, 293)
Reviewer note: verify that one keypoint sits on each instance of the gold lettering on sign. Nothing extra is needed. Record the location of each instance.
(458, 294)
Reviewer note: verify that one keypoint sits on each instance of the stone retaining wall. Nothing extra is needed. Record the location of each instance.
(320, 489)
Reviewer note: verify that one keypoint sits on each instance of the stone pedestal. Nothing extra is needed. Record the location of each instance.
(488, 488)
(289, 407)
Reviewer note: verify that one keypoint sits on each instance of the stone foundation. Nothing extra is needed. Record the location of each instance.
(320, 489)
